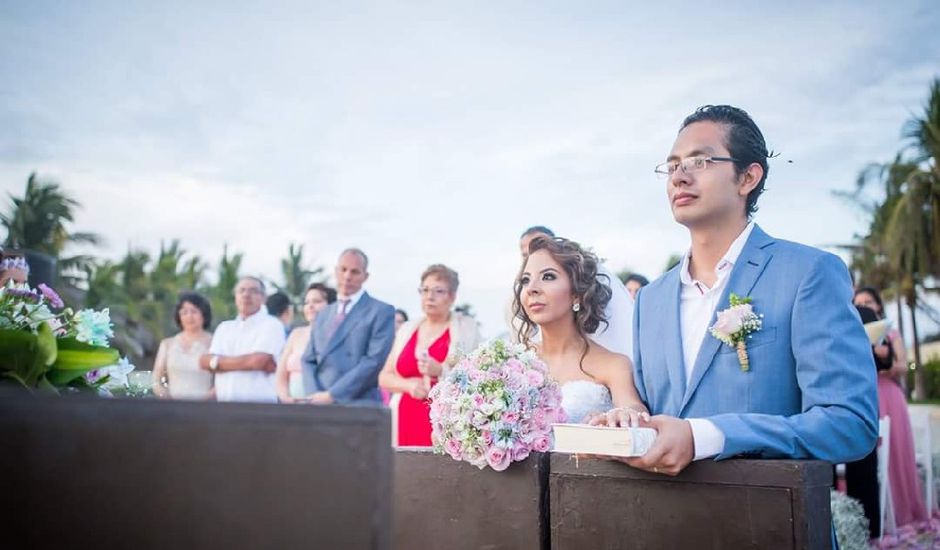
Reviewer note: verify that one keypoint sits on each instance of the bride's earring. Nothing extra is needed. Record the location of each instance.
(576, 307)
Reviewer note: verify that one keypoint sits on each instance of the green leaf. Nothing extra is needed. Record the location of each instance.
(76, 358)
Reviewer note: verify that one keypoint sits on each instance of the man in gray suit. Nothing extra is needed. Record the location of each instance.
(349, 340)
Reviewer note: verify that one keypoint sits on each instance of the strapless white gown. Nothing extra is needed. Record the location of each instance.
(580, 398)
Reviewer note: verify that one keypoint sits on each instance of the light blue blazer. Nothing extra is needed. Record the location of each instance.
(811, 389)
(348, 364)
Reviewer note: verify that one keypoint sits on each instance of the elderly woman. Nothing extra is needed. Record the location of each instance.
(177, 361)
(288, 379)
(423, 350)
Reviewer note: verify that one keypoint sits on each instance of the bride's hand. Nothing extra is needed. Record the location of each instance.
(624, 417)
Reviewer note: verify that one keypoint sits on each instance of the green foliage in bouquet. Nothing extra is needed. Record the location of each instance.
(44, 350)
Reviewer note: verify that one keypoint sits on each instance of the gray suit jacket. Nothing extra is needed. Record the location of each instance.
(348, 364)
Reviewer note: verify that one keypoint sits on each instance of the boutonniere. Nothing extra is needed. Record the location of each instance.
(735, 324)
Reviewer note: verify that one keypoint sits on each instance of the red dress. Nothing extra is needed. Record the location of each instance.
(414, 422)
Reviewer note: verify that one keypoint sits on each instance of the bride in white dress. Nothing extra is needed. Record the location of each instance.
(558, 293)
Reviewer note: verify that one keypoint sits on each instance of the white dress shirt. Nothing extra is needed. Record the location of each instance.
(698, 303)
(353, 300)
(259, 332)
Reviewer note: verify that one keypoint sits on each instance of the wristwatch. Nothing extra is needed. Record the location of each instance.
(214, 362)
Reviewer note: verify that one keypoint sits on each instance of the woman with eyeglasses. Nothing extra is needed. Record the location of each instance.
(423, 351)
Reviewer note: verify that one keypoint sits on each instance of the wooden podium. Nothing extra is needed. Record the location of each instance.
(757, 504)
(82, 472)
(559, 502)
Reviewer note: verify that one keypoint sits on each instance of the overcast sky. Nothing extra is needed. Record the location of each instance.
(430, 132)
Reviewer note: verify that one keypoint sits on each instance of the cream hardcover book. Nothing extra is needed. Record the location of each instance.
(876, 331)
(601, 440)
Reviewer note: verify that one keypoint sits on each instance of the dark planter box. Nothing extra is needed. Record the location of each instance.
(758, 504)
(81, 472)
(442, 503)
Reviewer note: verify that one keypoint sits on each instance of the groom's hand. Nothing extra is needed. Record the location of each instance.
(673, 449)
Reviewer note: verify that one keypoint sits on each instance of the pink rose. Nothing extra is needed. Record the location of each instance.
(541, 443)
(498, 459)
(510, 417)
(535, 378)
(452, 447)
(520, 452)
(487, 437)
(732, 319)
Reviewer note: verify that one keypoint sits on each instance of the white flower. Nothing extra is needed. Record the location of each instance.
(732, 319)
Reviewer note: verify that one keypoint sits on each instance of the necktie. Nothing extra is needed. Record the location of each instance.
(338, 320)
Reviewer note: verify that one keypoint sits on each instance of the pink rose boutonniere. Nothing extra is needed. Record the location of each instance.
(735, 325)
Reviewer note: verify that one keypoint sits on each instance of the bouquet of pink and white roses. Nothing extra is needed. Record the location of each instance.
(495, 407)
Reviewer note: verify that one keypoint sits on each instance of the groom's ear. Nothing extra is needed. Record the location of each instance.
(750, 178)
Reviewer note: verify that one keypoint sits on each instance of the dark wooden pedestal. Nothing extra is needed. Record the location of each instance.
(760, 504)
(442, 503)
(92, 473)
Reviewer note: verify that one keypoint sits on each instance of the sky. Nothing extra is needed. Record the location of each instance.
(427, 132)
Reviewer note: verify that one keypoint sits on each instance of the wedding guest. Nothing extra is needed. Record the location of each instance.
(797, 390)
(13, 267)
(401, 317)
(634, 283)
(350, 340)
(280, 307)
(891, 361)
(861, 476)
(289, 376)
(423, 350)
(243, 350)
(616, 334)
(177, 362)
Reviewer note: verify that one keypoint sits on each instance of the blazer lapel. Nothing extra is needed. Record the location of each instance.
(673, 345)
(747, 270)
(343, 330)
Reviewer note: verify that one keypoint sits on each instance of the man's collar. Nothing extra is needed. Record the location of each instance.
(262, 311)
(352, 299)
(730, 257)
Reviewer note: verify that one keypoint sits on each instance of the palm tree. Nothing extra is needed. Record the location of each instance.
(220, 295)
(901, 252)
(295, 275)
(38, 221)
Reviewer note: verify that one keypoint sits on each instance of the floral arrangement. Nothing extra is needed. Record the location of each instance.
(46, 346)
(495, 407)
(848, 518)
(735, 325)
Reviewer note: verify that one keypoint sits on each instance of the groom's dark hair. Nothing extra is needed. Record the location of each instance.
(538, 229)
(744, 142)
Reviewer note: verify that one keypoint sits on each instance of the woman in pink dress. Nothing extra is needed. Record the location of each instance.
(891, 360)
(288, 378)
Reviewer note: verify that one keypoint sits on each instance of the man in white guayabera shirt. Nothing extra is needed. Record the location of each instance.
(244, 349)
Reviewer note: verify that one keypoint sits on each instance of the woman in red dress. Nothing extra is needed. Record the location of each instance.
(422, 352)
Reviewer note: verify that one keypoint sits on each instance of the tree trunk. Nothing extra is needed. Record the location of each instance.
(920, 376)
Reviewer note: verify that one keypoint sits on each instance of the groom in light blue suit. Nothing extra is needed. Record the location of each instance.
(809, 388)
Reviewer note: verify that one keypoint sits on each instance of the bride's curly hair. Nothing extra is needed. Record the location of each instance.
(592, 294)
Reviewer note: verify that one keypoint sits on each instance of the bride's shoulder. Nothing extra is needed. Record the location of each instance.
(607, 362)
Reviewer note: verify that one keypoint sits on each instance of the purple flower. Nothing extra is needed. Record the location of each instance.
(24, 293)
(51, 296)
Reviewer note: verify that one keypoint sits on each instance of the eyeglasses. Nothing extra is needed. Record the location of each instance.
(439, 292)
(689, 165)
(248, 290)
